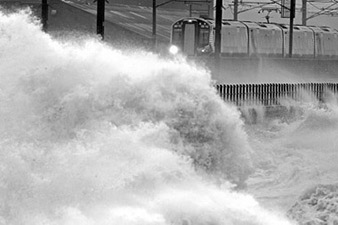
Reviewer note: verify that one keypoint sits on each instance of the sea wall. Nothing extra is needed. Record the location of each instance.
(272, 70)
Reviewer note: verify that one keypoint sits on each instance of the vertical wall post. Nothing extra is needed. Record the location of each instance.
(44, 15)
(100, 18)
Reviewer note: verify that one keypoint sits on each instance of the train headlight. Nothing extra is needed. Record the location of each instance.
(173, 49)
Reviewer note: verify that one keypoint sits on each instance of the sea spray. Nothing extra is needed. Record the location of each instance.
(90, 135)
(93, 84)
(294, 158)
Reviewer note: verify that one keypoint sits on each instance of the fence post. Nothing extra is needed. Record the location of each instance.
(321, 91)
(248, 91)
(237, 94)
(241, 95)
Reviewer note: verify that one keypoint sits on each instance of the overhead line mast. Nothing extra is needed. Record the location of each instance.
(44, 15)
(292, 16)
(100, 17)
(218, 33)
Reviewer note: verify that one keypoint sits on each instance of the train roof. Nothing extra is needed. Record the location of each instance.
(262, 25)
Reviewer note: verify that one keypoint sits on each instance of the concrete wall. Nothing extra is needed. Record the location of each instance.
(272, 70)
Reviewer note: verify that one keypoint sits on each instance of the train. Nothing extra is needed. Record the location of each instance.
(195, 37)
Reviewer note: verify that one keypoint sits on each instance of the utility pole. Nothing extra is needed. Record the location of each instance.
(235, 10)
(44, 14)
(304, 12)
(218, 27)
(154, 25)
(292, 16)
(218, 33)
(100, 18)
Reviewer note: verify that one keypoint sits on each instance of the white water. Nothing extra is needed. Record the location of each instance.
(92, 135)
(293, 158)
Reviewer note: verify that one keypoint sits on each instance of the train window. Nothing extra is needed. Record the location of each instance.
(203, 37)
(177, 36)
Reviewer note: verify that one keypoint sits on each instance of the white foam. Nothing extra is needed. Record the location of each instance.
(91, 135)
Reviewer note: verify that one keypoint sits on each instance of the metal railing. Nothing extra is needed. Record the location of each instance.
(271, 94)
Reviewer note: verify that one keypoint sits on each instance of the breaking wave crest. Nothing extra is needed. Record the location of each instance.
(92, 135)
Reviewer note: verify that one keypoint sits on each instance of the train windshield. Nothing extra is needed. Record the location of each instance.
(203, 43)
(177, 35)
(203, 37)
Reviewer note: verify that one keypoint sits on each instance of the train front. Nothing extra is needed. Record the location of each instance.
(191, 37)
